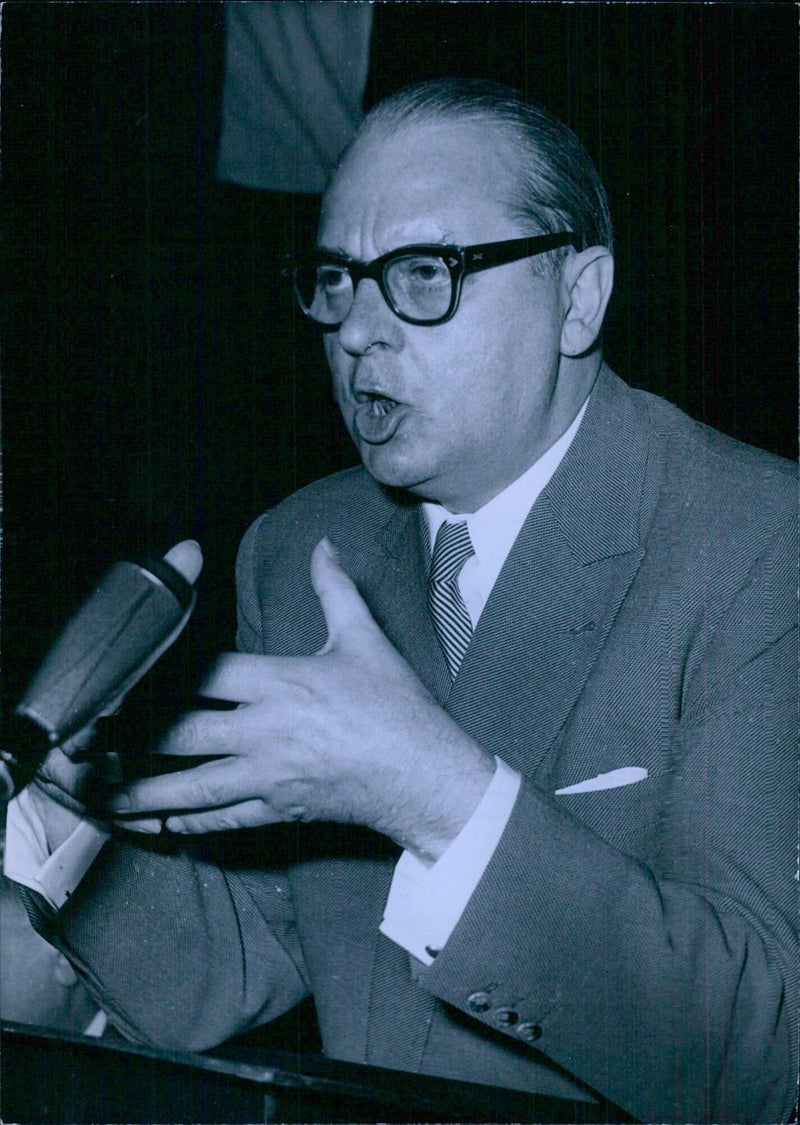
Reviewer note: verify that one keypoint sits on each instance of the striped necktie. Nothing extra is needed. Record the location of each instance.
(450, 618)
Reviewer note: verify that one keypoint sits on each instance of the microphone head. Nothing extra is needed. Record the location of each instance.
(132, 616)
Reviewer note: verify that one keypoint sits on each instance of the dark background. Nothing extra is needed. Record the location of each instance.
(156, 382)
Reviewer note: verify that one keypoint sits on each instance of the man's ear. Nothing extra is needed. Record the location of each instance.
(587, 279)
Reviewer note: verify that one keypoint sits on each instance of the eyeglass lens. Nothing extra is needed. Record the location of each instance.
(418, 286)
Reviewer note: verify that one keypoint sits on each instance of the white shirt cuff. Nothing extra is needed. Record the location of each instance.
(426, 900)
(28, 861)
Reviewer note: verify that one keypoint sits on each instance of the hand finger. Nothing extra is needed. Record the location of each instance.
(208, 786)
(79, 741)
(7, 784)
(204, 734)
(241, 677)
(60, 770)
(343, 606)
(152, 826)
(246, 814)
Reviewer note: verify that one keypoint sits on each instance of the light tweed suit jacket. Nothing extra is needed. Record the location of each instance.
(639, 941)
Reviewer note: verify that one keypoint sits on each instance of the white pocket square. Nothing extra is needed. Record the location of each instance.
(627, 775)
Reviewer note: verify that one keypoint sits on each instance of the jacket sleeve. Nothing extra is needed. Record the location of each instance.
(183, 951)
(671, 985)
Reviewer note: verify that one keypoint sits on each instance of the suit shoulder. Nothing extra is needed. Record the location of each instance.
(278, 609)
(342, 505)
(719, 472)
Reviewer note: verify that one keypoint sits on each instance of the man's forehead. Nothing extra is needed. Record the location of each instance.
(417, 181)
(433, 147)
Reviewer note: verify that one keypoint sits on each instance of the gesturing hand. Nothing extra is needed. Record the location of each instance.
(65, 782)
(349, 734)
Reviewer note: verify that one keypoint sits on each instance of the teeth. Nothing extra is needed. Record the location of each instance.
(381, 406)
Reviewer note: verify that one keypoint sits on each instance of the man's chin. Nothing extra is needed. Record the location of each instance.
(391, 470)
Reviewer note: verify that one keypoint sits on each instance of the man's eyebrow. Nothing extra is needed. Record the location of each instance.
(338, 252)
(335, 252)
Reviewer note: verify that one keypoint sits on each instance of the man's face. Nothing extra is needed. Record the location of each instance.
(457, 411)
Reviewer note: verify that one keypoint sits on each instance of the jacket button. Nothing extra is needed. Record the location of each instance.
(505, 1017)
(530, 1032)
(479, 1002)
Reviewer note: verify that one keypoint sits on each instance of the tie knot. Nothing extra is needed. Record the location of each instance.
(450, 551)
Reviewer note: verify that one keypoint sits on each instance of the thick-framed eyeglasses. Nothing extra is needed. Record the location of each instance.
(421, 284)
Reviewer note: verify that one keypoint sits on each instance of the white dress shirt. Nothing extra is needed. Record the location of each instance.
(29, 862)
(425, 900)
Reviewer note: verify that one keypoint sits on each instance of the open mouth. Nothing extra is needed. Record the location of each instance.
(377, 417)
(380, 406)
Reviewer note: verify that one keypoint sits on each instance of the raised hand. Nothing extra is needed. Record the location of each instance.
(349, 734)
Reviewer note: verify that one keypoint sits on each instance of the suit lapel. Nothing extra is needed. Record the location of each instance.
(393, 582)
(537, 640)
(562, 585)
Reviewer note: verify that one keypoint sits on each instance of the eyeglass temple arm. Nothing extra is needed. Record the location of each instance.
(477, 258)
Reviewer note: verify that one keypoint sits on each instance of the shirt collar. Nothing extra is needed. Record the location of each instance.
(494, 527)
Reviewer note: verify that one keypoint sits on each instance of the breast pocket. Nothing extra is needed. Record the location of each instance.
(627, 816)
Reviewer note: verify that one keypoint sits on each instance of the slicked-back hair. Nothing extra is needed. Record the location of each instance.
(551, 182)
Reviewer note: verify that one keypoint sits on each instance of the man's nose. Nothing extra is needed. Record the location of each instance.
(370, 321)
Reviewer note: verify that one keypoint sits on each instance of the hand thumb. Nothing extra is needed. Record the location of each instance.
(343, 606)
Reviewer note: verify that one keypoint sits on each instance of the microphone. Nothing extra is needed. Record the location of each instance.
(129, 620)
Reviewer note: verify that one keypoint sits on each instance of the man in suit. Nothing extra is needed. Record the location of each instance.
(542, 761)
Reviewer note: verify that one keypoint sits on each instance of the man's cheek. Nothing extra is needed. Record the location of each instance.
(345, 405)
(338, 383)
(334, 355)
(342, 399)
